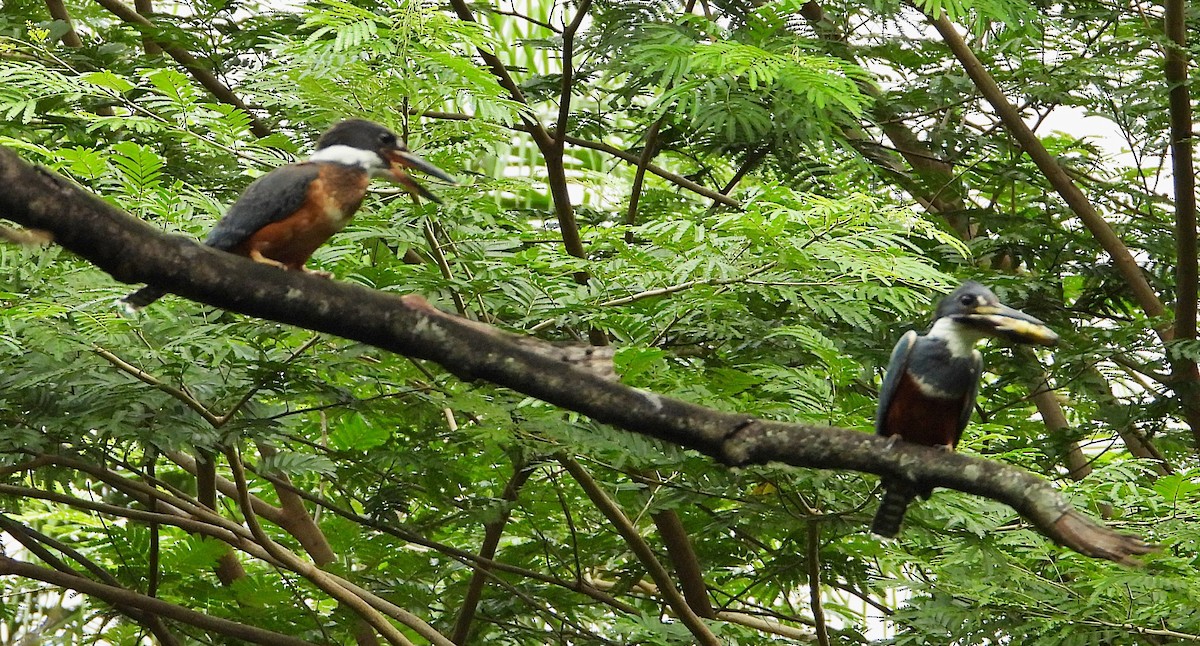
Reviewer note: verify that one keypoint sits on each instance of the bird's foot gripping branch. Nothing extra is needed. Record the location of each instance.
(132, 251)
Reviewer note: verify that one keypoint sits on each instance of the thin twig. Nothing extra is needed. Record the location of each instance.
(147, 378)
(671, 289)
(223, 419)
(435, 250)
(649, 150)
(529, 19)
(814, 581)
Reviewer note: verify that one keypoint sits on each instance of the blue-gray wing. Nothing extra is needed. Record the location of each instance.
(891, 381)
(968, 404)
(270, 198)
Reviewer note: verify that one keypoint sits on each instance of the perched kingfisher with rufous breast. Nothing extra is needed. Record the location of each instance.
(932, 381)
(285, 215)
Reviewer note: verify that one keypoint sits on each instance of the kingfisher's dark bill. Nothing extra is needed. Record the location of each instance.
(399, 160)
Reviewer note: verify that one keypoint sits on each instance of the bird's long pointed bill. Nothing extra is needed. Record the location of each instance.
(1011, 324)
(404, 159)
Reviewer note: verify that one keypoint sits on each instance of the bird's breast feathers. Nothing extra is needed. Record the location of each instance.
(339, 190)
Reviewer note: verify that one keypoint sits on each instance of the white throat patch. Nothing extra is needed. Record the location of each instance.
(959, 338)
(349, 156)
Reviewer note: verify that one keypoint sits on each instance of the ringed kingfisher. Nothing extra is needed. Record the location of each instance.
(932, 380)
(283, 216)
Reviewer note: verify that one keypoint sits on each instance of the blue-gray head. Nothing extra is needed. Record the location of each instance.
(974, 309)
(374, 148)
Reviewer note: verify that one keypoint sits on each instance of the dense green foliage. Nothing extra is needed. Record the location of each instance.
(784, 307)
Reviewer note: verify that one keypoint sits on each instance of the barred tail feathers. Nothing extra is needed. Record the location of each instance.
(892, 507)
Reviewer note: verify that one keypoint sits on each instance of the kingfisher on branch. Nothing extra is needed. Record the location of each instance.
(285, 215)
(932, 381)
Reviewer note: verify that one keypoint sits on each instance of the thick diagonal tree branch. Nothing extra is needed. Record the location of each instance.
(935, 185)
(58, 11)
(687, 566)
(1123, 259)
(133, 251)
(146, 8)
(1187, 379)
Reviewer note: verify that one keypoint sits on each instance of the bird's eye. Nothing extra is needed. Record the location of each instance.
(967, 299)
(387, 139)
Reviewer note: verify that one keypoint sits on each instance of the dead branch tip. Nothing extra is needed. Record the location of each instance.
(1082, 534)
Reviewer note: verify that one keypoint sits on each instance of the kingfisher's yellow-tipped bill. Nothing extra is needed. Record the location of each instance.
(1009, 323)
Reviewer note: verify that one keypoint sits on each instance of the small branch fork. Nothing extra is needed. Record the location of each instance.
(550, 145)
(133, 251)
(645, 554)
